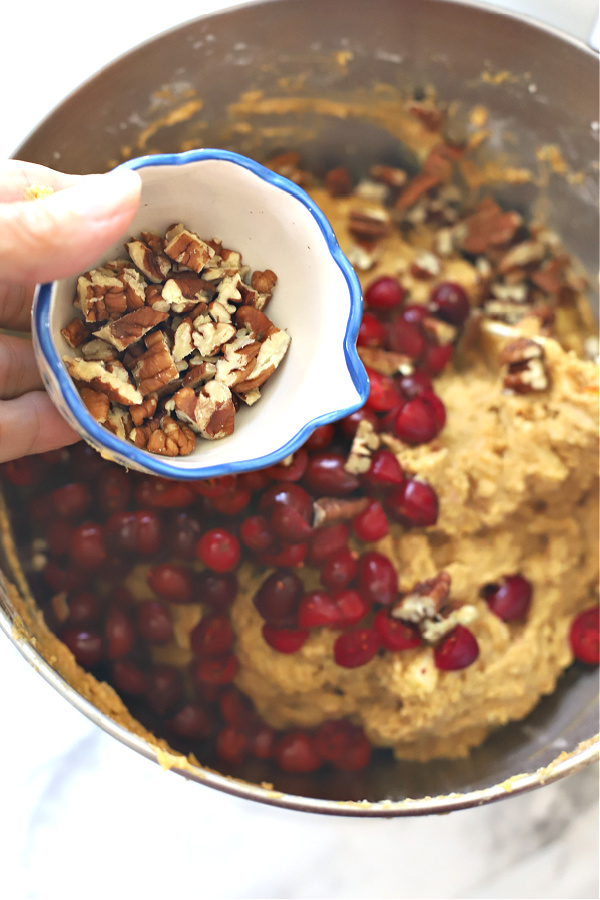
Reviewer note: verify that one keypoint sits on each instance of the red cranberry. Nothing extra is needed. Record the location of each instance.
(172, 583)
(382, 392)
(212, 636)
(456, 650)
(88, 549)
(85, 608)
(214, 487)
(415, 384)
(325, 475)
(284, 640)
(255, 533)
(278, 598)
(232, 745)
(342, 743)
(355, 648)
(320, 438)
(215, 670)
(292, 472)
(384, 471)
(230, 504)
(119, 634)
(414, 502)
(289, 525)
(417, 422)
(22, 472)
(286, 495)
(371, 524)
(193, 722)
(219, 550)
(216, 590)
(449, 301)
(162, 492)
(135, 532)
(59, 578)
(584, 636)
(439, 410)
(349, 424)
(317, 609)
(415, 314)
(387, 422)
(377, 578)
(165, 688)
(254, 481)
(85, 645)
(71, 500)
(283, 556)
(338, 569)
(154, 622)
(128, 678)
(237, 709)
(510, 599)
(325, 541)
(263, 743)
(371, 332)
(435, 358)
(394, 634)
(352, 607)
(86, 461)
(59, 536)
(183, 533)
(406, 338)
(384, 293)
(113, 491)
(294, 752)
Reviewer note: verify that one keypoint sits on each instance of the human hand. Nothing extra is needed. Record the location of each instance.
(41, 240)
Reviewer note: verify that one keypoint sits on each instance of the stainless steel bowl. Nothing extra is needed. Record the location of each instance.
(541, 89)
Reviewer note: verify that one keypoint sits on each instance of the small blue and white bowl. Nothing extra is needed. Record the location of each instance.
(275, 225)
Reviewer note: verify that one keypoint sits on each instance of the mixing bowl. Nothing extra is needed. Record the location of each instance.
(324, 78)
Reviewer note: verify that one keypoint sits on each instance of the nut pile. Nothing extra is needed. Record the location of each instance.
(172, 340)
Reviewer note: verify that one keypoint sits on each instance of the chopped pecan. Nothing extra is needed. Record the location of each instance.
(389, 175)
(181, 293)
(238, 360)
(369, 225)
(523, 254)
(155, 266)
(131, 327)
(425, 600)
(338, 182)
(144, 410)
(119, 422)
(110, 378)
(96, 403)
(100, 295)
(361, 258)
(335, 509)
(187, 249)
(165, 437)
(288, 165)
(98, 349)
(525, 371)
(489, 226)
(198, 374)
(183, 344)
(365, 441)
(210, 411)
(76, 333)
(434, 629)
(264, 282)
(443, 332)
(272, 350)
(220, 312)
(386, 362)
(209, 337)
(425, 265)
(427, 114)
(155, 368)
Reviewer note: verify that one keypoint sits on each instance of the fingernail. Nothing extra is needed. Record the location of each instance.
(101, 196)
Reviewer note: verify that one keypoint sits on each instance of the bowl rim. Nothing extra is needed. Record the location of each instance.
(163, 467)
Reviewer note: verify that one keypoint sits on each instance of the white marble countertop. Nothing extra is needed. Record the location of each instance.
(82, 814)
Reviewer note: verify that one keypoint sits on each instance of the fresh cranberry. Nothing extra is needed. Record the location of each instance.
(294, 752)
(214, 487)
(394, 634)
(255, 533)
(382, 392)
(352, 607)
(85, 608)
(165, 688)
(371, 524)
(219, 550)
(113, 491)
(326, 476)
(263, 742)
(317, 610)
(290, 509)
(217, 590)
(338, 569)
(413, 385)
(320, 438)
(292, 472)
(60, 578)
(172, 583)
(134, 532)
(584, 636)
(437, 405)
(456, 650)
(449, 301)
(283, 556)
(387, 422)
(71, 501)
(212, 636)
(278, 598)
(22, 472)
(183, 533)
(342, 743)
(289, 525)
(325, 541)
(284, 640)
(40, 509)
(371, 332)
(119, 633)
(230, 504)
(349, 424)
(86, 461)
(417, 422)
(193, 722)
(129, 678)
(510, 599)
(384, 471)
(355, 648)
(214, 670)
(415, 314)
(59, 537)
(237, 709)
(161, 492)
(88, 548)
(406, 338)
(232, 745)
(154, 622)
(85, 645)
(435, 358)
(384, 293)
(414, 502)
(377, 578)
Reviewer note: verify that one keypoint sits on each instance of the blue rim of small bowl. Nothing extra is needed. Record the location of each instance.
(158, 465)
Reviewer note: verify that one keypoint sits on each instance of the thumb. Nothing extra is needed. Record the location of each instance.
(62, 234)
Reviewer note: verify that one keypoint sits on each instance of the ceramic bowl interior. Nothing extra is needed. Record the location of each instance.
(317, 300)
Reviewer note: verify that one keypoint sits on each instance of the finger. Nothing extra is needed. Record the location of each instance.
(32, 424)
(15, 306)
(64, 233)
(18, 371)
(16, 176)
